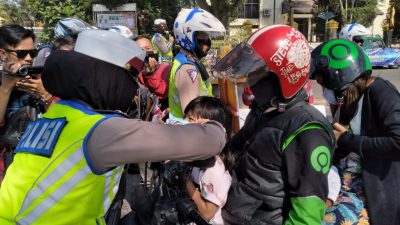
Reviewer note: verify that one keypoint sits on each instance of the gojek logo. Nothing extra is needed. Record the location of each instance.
(321, 159)
(341, 53)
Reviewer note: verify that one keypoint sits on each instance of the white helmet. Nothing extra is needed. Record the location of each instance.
(123, 30)
(159, 21)
(70, 27)
(190, 21)
(111, 47)
(350, 31)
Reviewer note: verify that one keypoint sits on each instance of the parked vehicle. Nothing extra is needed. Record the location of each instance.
(379, 54)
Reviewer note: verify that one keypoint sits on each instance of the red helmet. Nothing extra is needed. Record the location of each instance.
(277, 49)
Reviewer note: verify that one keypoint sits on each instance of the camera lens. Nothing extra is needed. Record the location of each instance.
(23, 71)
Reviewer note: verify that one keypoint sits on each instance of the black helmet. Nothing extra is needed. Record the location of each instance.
(340, 62)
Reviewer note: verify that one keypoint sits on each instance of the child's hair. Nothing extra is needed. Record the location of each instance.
(213, 109)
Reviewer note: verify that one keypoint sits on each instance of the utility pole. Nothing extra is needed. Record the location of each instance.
(326, 23)
(291, 13)
(274, 12)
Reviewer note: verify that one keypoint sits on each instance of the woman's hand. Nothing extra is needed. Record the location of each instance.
(338, 130)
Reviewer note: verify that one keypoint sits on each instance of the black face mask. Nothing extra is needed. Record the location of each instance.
(264, 91)
(199, 44)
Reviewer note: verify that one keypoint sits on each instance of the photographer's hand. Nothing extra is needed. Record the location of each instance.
(35, 87)
(171, 39)
(150, 68)
(9, 81)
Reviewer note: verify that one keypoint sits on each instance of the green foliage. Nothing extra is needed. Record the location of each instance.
(149, 10)
(356, 11)
(16, 11)
(50, 11)
(111, 4)
(223, 10)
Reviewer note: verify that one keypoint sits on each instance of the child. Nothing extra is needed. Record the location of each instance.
(210, 180)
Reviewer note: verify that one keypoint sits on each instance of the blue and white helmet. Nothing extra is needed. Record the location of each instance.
(71, 27)
(190, 21)
(122, 30)
(350, 31)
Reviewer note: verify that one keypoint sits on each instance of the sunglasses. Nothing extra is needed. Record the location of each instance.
(23, 53)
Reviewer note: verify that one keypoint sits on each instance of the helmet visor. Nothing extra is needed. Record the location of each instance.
(242, 61)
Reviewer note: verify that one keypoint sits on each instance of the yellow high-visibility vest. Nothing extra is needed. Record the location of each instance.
(51, 180)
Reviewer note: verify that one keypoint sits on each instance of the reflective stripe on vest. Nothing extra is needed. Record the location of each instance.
(165, 57)
(173, 94)
(61, 188)
(59, 193)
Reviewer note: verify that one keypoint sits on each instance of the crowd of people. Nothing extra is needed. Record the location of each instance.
(105, 102)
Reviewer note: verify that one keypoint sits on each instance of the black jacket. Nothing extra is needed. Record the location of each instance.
(379, 146)
(282, 168)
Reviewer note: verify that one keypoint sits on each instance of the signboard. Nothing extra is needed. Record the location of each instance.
(107, 19)
(124, 15)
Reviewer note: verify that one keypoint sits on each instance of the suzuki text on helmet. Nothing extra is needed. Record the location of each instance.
(190, 23)
(279, 49)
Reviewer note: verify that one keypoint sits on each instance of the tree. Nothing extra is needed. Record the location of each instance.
(223, 10)
(50, 11)
(16, 11)
(351, 11)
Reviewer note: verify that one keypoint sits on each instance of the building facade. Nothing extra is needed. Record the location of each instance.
(266, 12)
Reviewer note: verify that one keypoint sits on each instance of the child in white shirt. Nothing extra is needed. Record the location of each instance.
(210, 179)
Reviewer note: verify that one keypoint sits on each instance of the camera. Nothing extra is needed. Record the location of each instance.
(150, 55)
(29, 70)
(169, 204)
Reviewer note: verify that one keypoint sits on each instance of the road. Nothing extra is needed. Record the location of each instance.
(393, 75)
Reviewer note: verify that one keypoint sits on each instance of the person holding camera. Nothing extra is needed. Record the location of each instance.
(161, 45)
(154, 76)
(17, 50)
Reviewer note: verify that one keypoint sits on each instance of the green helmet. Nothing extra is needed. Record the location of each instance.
(340, 62)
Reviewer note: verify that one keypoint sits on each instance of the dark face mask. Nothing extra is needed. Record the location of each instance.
(199, 45)
(264, 91)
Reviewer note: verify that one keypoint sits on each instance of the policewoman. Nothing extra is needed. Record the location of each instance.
(68, 164)
(189, 79)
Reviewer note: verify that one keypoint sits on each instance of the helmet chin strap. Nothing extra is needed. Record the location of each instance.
(282, 106)
(340, 100)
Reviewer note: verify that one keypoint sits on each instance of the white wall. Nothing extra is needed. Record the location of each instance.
(268, 20)
(376, 28)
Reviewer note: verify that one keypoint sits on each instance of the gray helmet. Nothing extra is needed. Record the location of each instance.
(71, 27)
